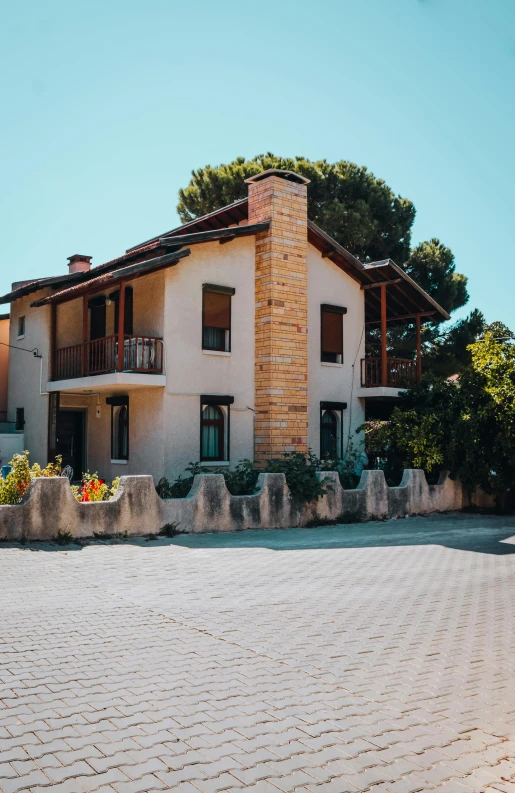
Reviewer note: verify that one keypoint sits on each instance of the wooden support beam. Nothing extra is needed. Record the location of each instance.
(419, 350)
(53, 338)
(85, 311)
(121, 328)
(384, 355)
(382, 283)
(227, 239)
(327, 254)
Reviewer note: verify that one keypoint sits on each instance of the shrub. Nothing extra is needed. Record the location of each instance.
(346, 468)
(301, 474)
(94, 489)
(240, 481)
(17, 481)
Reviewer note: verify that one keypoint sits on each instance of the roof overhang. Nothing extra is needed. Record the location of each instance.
(405, 298)
(109, 280)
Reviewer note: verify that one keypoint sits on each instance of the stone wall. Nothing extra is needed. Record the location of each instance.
(49, 507)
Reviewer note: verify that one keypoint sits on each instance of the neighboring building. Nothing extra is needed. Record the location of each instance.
(238, 335)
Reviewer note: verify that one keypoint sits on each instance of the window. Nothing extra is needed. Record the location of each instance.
(331, 422)
(20, 418)
(329, 434)
(119, 427)
(212, 447)
(21, 327)
(214, 428)
(331, 332)
(216, 317)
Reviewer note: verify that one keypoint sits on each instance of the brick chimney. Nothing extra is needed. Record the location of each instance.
(281, 346)
(78, 263)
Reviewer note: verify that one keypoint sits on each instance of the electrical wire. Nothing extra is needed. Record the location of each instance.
(35, 351)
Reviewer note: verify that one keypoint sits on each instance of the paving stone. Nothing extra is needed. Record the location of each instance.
(378, 657)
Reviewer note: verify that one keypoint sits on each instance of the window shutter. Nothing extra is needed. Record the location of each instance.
(332, 332)
(217, 310)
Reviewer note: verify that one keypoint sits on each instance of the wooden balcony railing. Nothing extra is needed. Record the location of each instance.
(400, 372)
(140, 354)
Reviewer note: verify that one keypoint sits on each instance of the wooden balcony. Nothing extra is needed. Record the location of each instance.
(400, 373)
(142, 354)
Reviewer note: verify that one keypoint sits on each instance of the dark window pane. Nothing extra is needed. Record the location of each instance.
(217, 310)
(212, 433)
(328, 435)
(120, 432)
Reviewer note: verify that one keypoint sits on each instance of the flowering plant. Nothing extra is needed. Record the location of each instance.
(94, 489)
(17, 481)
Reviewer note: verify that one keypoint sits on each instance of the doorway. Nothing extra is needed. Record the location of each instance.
(70, 440)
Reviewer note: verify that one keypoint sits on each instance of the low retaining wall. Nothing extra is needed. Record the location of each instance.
(49, 507)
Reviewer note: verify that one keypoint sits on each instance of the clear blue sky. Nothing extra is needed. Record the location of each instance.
(107, 105)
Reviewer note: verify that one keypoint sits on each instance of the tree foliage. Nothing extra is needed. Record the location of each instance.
(358, 210)
(466, 426)
(431, 264)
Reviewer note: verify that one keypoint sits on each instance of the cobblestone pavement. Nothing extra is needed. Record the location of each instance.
(354, 658)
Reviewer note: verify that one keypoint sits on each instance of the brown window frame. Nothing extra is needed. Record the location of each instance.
(225, 346)
(325, 356)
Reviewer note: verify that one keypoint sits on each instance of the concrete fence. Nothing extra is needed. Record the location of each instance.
(49, 507)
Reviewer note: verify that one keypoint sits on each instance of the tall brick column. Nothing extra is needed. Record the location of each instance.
(281, 351)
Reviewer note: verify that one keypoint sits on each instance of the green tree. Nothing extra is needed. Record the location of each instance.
(358, 210)
(431, 264)
(466, 427)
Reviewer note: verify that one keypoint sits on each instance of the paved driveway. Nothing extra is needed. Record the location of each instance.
(377, 657)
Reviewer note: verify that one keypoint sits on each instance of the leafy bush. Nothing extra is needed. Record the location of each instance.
(240, 481)
(301, 475)
(94, 489)
(17, 481)
(178, 489)
(346, 468)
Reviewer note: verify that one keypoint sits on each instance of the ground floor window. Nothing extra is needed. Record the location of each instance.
(331, 422)
(214, 428)
(119, 427)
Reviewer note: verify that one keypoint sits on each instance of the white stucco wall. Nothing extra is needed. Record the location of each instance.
(190, 371)
(24, 373)
(327, 283)
(165, 423)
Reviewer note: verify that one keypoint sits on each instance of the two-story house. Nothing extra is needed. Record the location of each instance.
(238, 335)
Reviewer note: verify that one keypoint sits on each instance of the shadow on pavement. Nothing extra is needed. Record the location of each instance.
(491, 534)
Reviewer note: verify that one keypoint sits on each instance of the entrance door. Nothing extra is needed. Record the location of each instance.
(70, 440)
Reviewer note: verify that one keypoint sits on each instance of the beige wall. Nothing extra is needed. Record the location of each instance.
(4, 363)
(327, 283)
(148, 310)
(165, 423)
(190, 371)
(24, 373)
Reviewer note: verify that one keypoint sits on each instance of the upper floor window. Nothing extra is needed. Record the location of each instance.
(21, 327)
(331, 332)
(216, 317)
